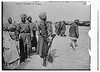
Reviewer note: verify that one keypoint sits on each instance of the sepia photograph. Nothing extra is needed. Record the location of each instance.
(46, 35)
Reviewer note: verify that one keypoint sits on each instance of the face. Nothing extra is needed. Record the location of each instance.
(45, 18)
(23, 20)
(10, 20)
(29, 19)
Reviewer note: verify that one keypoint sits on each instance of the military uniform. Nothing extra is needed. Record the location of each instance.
(49, 28)
(33, 29)
(74, 34)
(25, 39)
(58, 28)
(63, 29)
(43, 39)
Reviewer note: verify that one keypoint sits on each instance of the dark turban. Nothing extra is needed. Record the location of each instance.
(23, 16)
(42, 15)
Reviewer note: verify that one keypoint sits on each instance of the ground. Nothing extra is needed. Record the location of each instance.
(64, 56)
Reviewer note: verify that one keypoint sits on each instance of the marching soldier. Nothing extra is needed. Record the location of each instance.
(74, 34)
(33, 29)
(25, 38)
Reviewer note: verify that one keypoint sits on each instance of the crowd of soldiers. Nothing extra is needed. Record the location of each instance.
(25, 35)
(60, 28)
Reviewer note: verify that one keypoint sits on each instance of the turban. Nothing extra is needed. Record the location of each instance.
(23, 16)
(29, 17)
(76, 21)
(9, 18)
(42, 15)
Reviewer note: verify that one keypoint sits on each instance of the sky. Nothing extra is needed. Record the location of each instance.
(55, 11)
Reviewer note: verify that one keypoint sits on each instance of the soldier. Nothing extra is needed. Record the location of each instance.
(33, 30)
(25, 38)
(63, 28)
(74, 34)
(43, 37)
(57, 28)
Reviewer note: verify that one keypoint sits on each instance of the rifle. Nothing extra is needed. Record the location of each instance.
(53, 36)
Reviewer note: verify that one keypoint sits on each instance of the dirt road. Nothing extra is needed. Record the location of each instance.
(65, 57)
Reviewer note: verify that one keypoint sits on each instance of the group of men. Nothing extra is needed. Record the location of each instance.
(25, 33)
(60, 28)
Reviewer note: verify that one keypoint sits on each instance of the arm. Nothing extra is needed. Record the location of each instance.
(77, 31)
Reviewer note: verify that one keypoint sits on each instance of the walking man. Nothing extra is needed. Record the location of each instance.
(74, 34)
(63, 29)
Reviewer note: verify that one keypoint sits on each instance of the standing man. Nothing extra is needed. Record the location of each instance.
(57, 28)
(9, 43)
(33, 29)
(25, 38)
(74, 34)
(5, 32)
(63, 28)
(43, 37)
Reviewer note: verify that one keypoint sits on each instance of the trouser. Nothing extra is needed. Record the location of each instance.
(73, 43)
(25, 45)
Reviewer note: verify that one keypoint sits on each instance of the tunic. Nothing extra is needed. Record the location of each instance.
(33, 30)
(25, 40)
(10, 46)
(57, 28)
(43, 39)
(73, 30)
(49, 28)
(63, 28)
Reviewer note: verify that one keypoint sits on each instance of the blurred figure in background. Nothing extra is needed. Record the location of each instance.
(74, 34)
(33, 29)
(57, 28)
(63, 28)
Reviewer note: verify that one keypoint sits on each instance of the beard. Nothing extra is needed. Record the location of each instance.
(44, 19)
(23, 21)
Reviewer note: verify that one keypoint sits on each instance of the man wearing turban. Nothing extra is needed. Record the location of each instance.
(43, 39)
(25, 38)
(10, 53)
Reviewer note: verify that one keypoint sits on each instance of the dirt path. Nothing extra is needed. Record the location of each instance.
(65, 56)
